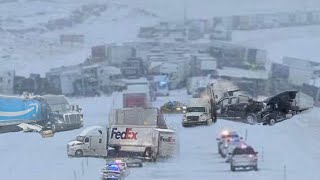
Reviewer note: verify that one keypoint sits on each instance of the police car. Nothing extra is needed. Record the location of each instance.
(244, 157)
(115, 170)
(112, 172)
(225, 137)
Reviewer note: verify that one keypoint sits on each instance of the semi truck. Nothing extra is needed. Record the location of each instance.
(134, 132)
(198, 112)
(136, 96)
(39, 113)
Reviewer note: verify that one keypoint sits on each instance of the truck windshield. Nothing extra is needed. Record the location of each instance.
(80, 138)
(60, 107)
(196, 109)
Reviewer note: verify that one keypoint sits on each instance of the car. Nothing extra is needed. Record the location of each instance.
(174, 107)
(225, 135)
(118, 169)
(229, 145)
(244, 157)
(112, 172)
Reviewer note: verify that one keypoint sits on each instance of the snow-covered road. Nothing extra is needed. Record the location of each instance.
(292, 143)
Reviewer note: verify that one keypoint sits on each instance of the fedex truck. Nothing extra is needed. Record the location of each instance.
(131, 131)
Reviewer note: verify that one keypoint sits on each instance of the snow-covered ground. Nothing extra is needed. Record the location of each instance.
(292, 143)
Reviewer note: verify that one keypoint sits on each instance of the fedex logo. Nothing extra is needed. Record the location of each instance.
(168, 139)
(127, 134)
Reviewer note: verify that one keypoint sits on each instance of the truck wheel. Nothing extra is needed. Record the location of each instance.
(79, 153)
(148, 153)
(232, 168)
(53, 128)
(251, 119)
(272, 122)
(255, 167)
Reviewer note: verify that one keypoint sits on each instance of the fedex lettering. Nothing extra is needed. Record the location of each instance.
(168, 139)
(127, 134)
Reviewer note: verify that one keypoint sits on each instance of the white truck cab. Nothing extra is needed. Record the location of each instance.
(198, 112)
(92, 141)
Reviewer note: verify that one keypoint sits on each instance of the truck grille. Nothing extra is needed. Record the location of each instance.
(193, 118)
(72, 118)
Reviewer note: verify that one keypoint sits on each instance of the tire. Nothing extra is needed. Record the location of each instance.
(232, 168)
(223, 155)
(251, 119)
(148, 153)
(207, 123)
(255, 168)
(272, 122)
(53, 128)
(78, 153)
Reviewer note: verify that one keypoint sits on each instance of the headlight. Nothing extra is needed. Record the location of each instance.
(184, 107)
(203, 118)
(178, 109)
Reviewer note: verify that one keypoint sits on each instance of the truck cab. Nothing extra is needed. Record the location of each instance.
(92, 141)
(62, 115)
(198, 112)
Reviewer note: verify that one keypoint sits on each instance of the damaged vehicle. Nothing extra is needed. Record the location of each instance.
(173, 107)
(240, 108)
(268, 112)
(284, 106)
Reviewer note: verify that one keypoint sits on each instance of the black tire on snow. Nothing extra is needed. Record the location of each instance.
(148, 153)
(272, 122)
(232, 168)
(78, 153)
(251, 119)
(255, 168)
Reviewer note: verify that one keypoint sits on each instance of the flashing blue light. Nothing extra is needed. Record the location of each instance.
(162, 83)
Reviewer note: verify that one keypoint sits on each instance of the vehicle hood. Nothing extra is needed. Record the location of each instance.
(194, 113)
(71, 143)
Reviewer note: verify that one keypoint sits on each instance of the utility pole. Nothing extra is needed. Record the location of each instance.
(284, 172)
(246, 135)
(185, 20)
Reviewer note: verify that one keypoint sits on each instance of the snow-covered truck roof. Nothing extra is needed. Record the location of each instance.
(93, 130)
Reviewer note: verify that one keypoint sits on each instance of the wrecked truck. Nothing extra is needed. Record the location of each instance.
(268, 112)
(284, 106)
